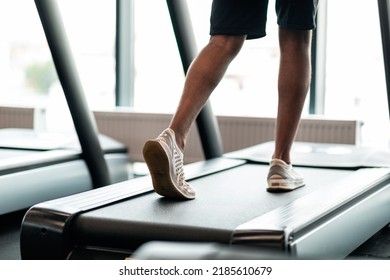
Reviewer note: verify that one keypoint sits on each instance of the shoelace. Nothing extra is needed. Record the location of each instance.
(179, 168)
(178, 161)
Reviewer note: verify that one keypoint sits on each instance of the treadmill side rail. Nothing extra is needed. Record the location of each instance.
(45, 233)
(347, 228)
(272, 239)
(330, 210)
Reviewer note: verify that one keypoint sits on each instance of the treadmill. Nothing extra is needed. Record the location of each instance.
(346, 200)
(36, 167)
(39, 166)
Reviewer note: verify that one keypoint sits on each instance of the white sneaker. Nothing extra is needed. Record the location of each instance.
(282, 177)
(165, 162)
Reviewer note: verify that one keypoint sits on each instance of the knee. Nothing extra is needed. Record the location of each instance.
(295, 40)
(230, 45)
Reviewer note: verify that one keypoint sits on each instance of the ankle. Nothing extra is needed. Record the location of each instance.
(286, 159)
(180, 140)
(180, 143)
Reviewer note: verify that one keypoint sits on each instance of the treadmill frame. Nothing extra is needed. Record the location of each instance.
(323, 224)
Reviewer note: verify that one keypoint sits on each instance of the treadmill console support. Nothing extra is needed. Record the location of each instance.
(67, 73)
(384, 10)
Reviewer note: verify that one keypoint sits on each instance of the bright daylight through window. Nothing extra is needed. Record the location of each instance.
(354, 87)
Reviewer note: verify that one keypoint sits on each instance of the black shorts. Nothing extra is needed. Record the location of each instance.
(249, 17)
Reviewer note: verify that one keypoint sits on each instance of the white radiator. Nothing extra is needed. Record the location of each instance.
(133, 129)
(13, 117)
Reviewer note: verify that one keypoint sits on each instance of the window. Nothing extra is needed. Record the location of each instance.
(355, 78)
(354, 84)
(28, 77)
(26, 69)
(90, 27)
(159, 75)
(251, 77)
(250, 84)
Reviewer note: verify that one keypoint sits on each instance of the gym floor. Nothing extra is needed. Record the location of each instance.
(376, 248)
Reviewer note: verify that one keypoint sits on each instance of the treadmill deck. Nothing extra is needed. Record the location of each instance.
(225, 200)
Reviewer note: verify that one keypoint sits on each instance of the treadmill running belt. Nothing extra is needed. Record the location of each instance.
(224, 201)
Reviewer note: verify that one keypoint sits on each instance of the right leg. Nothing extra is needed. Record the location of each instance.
(164, 155)
(203, 76)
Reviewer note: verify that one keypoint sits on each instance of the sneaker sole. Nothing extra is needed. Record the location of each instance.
(280, 185)
(158, 164)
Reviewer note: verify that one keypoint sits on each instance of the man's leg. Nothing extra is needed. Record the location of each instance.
(203, 76)
(293, 85)
(164, 155)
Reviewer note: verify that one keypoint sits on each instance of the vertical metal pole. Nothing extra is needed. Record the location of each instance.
(124, 53)
(206, 121)
(313, 83)
(318, 59)
(384, 6)
(67, 73)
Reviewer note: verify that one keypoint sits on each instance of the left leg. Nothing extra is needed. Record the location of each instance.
(293, 85)
(296, 19)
